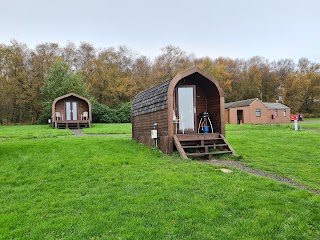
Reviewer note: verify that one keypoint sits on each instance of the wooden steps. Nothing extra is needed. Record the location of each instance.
(208, 153)
(201, 145)
(72, 125)
(214, 146)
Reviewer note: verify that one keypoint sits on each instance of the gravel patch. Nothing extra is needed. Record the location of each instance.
(77, 132)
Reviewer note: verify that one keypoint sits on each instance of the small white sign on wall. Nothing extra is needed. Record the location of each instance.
(154, 134)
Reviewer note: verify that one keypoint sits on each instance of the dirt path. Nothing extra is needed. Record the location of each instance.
(78, 133)
(260, 173)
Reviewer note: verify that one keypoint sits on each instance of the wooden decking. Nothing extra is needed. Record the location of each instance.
(75, 124)
(201, 145)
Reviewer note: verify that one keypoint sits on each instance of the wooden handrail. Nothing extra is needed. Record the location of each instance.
(179, 147)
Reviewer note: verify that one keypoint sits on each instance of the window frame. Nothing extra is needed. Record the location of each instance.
(258, 112)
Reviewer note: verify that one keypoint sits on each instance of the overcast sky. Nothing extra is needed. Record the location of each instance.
(273, 29)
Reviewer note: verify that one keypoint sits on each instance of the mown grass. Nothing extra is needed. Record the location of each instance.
(311, 119)
(110, 128)
(114, 188)
(309, 125)
(258, 127)
(31, 131)
(280, 150)
(315, 124)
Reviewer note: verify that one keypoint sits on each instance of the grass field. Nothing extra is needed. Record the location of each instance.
(110, 187)
(307, 124)
(31, 131)
(280, 150)
(310, 125)
(112, 128)
(312, 119)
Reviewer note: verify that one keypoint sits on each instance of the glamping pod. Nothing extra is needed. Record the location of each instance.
(71, 111)
(187, 112)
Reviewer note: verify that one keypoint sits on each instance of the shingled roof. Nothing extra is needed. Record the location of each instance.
(151, 100)
(242, 103)
(275, 105)
(245, 103)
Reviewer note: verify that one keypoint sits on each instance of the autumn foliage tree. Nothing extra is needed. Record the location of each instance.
(60, 80)
(17, 85)
(31, 78)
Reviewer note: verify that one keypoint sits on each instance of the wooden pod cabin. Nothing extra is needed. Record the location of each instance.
(71, 111)
(187, 112)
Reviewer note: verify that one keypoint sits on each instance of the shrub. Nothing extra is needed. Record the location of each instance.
(124, 112)
(111, 116)
(103, 114)
(46, 114)
(98, 111)
(311, 115)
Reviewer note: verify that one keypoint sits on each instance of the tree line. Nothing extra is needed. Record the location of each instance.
(31, 78)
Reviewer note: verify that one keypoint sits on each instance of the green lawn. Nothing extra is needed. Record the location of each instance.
(310, 124)
(280, 150)
(111, 128)
(31, 131)
(258, 127)
(311, 119)
(110, 187)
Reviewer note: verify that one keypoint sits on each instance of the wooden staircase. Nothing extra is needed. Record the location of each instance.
(201, 145)
(72, 125)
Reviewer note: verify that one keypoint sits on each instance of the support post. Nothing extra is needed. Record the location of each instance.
(296, 125)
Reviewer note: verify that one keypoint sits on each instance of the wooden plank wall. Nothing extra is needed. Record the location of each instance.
(214, 110)
(200, 101)
(143, 124)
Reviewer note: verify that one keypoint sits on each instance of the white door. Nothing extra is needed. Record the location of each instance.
(186, 108)
(68, 111)
(71, 111)
(74, 111)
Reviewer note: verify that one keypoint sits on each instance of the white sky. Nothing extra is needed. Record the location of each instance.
(273, 29)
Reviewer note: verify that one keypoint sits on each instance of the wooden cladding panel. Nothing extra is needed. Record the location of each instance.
(201, 102)
(143, 124)
(214, 110)
(60, 107)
